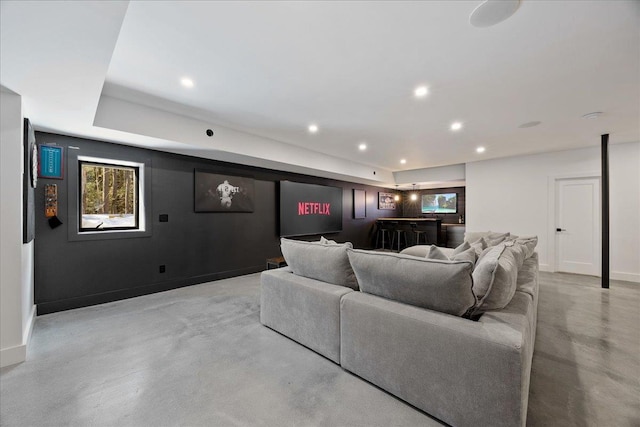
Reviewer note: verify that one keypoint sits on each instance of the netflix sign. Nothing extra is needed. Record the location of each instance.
(307, 209)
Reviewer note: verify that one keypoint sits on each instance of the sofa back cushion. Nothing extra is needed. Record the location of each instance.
(325, 262)
(444, 286)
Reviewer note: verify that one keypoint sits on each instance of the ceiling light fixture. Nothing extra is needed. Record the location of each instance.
(456, 126)
(313, 128)
(480, 150)
(403, 161)
(492, 12)
(421, 91)
(186, 82)
(362, 147)
(397, 196)
(593, 115)
(414, 196)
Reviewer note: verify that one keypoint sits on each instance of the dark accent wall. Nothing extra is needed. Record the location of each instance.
(412, 208)
(194, 247)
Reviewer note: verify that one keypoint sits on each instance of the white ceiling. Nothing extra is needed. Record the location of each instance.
(268, 69)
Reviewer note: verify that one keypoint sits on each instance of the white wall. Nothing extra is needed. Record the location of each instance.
(16, 259)
(512, 194)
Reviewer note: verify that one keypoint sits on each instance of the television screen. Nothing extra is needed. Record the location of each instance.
(440, 203)
(309, 209)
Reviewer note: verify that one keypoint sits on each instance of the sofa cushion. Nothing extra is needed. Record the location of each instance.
(436, 253)
(444, 286)
(325, 262)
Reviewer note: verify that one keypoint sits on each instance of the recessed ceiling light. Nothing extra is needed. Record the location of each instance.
(313, 128)
(362, 147)
(403, 161)
(421, 91)
(186, 82)
(480, 149)
(456, 126)
(593, 115)
(529, 124)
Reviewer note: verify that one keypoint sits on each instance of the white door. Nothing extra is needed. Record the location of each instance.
(578, 226)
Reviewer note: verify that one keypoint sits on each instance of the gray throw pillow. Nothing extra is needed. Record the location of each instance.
(417, 250)
(495, 278)
(315, 260)
(485, 271)
(327, 241)
(436, 253)
(463, 247)
(479, 246)
(529, 244)
(444, 286)
(468, 255)
(495, 242)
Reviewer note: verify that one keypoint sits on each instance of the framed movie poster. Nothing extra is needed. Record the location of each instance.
(386, 201)
(223, 193)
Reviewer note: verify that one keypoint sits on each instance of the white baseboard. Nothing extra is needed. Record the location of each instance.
(12, 355)
(627, 277)
(18, 354)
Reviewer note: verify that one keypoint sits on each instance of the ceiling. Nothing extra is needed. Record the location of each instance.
(264, 71)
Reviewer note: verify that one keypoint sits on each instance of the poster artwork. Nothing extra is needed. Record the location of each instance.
(386, 201)
(223, 193)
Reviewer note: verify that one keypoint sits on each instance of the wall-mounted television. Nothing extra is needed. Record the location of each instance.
(445, 203)
(307, 209)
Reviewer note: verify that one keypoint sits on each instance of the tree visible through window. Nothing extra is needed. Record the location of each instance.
(108, 197)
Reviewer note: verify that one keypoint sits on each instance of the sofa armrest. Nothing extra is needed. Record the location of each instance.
(303, 309)
(463, 372)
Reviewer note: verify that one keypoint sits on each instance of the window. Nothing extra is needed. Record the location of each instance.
(110, 195)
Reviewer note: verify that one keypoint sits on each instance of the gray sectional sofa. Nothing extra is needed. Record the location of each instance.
(459, 361)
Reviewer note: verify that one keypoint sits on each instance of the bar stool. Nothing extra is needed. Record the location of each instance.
(381, 233)
(398, 233)
(418, 233)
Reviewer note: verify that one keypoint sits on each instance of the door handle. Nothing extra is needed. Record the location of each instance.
(561, 229)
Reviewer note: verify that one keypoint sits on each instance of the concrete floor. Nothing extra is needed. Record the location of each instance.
(199, 356)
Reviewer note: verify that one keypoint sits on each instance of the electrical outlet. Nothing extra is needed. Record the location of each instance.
(163, 268)
(163, 218)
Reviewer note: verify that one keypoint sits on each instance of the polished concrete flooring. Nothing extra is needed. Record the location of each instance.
(199, 356)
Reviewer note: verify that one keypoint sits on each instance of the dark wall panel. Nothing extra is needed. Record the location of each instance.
(194, 247)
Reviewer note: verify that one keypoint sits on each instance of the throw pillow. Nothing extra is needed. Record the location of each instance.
(327, 241)
(484, 273)
(327, 263)
(479, 246)
(436, 253)
(495, 278)
(468, 255)
(529, 244)
(463, 247)
(496, 241)
(417, 250)
(444, 286)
